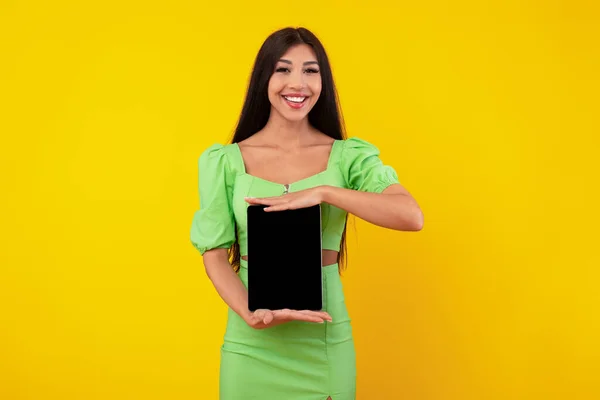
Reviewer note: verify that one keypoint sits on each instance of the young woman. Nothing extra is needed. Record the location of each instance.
(289, 151)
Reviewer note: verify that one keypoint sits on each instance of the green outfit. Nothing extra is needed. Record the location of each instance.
(295, 360)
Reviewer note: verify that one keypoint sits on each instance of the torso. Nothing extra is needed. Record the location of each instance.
(272, 164)
(269, 163)
(328, 257)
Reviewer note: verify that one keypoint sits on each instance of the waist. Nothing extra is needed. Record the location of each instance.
(327, 266)
(331, 241)
(328, 257)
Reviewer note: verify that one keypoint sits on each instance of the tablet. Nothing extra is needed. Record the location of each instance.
(284, 259)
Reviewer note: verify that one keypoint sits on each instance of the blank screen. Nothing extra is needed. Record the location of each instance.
(284, 259)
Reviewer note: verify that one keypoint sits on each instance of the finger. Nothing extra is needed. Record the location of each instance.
(282, 314)
(288, 312)
(289, 315)
(262, 200)
(253, 200)
(268, 318)
(300, 316)
(308, 318)
(259, 314)
(322, 314)
(294, 315)
(273, 202)
(278, 208)
(319, 312)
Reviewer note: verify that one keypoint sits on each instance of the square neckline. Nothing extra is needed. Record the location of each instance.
(327, 168)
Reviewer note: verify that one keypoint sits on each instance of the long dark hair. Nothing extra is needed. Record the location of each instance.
(326, 115)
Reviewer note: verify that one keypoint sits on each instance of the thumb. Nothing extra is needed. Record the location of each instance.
(258, 315)
(268, 317)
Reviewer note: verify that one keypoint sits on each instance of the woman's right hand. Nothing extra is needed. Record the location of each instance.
(263, 318)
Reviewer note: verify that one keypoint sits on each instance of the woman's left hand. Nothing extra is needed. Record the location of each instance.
(291, 201)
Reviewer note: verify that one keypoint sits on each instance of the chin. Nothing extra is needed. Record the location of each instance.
(294, 117)
(290, 115)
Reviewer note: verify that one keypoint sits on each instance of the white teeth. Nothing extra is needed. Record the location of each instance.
(294, 99)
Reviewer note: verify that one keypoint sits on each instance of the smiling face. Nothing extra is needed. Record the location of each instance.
(295, 85)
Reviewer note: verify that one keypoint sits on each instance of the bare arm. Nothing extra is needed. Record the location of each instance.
(394, 208)
(227, 283)
(233, 292)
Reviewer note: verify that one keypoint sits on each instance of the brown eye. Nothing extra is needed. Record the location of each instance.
(312, 71)
(282, 69)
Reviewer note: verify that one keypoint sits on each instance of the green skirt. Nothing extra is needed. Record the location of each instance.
(293, 361)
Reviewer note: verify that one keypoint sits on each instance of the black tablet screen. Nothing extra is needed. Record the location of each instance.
(284, 259)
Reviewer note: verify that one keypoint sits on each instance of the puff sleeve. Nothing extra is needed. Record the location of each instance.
(363, 169)
(213, 224)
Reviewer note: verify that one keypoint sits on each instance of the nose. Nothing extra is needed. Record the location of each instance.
(297, 81)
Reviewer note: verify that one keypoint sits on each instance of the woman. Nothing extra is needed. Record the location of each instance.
(288, 152)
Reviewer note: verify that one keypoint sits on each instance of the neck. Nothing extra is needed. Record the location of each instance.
(284, 133)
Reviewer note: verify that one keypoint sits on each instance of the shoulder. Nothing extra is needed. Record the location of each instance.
(354, 147)
(217, 150)
(217, 155)
(357, 143)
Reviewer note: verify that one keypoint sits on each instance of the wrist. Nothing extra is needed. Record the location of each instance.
(246, 315)
(326, 193)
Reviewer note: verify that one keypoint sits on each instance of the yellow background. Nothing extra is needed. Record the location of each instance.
(487, 112)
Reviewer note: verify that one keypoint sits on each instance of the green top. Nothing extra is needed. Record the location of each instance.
(223, 183)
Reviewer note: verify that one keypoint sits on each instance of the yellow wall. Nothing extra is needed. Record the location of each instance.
(485, 111)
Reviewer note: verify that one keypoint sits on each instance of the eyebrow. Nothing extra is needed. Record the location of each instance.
(283, 60)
